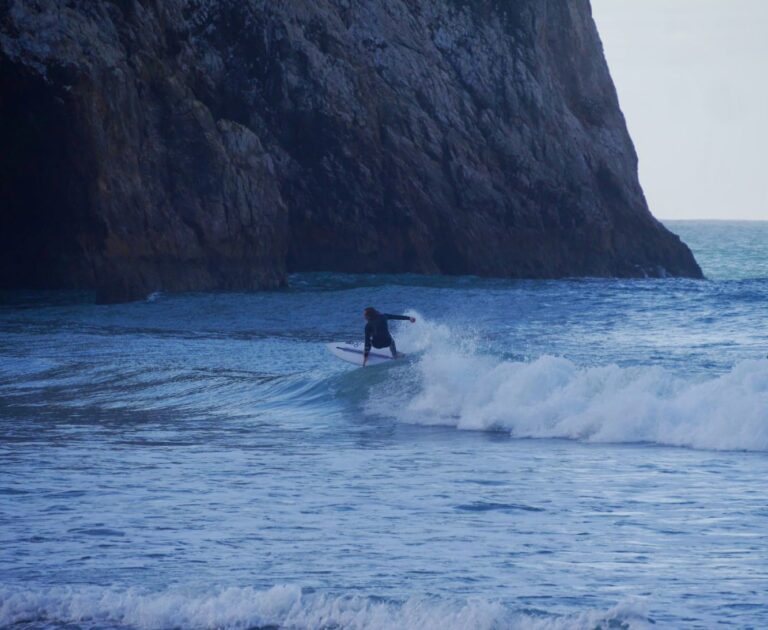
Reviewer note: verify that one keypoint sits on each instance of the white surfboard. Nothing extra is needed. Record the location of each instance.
(353, 353)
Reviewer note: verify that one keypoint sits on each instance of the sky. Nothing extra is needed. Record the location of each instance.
(692, 78)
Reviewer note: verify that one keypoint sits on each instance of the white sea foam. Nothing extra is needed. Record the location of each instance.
(553, 397)
(285, 607)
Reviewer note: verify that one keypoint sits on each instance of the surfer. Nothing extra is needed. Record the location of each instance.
(377, 331)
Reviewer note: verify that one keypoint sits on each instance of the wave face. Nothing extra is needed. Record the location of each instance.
(286, 606)
(553, 397)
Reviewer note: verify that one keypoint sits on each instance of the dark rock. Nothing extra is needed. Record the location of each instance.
(218, 144)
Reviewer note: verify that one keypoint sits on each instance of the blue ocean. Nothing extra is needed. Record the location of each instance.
(585, 453)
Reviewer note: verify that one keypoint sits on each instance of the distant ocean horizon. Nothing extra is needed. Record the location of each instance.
(726, 249)
(577, 453)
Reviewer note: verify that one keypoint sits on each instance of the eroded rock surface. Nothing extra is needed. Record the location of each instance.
(219, 144)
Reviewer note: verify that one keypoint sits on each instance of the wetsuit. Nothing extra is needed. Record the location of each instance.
(377, 332)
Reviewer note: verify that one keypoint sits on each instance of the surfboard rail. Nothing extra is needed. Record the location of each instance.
(354, 353)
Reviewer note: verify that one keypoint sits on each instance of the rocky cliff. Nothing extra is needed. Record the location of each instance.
(219, 144)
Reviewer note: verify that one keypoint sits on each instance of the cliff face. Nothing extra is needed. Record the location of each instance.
(205, 144)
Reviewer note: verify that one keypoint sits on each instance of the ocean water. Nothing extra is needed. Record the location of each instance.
(551, 454)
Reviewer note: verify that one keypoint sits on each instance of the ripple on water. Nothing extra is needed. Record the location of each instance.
(487, 506)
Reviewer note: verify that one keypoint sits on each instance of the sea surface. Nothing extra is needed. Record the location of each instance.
(551, 454)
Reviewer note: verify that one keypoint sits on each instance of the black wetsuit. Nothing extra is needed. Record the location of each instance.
(377, 332)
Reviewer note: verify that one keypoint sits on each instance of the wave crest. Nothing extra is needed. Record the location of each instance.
(284, 606)
(552, 397)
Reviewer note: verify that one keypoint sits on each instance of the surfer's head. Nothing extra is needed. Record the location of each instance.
(370, 313)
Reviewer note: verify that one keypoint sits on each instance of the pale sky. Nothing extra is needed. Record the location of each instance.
(692, 77)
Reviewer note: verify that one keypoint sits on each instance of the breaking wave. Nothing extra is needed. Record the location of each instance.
(552, 397)
(284, 606)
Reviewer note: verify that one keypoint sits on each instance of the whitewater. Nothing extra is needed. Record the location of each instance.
(581, 453)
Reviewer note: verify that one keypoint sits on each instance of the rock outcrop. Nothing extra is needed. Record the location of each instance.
(219, 144)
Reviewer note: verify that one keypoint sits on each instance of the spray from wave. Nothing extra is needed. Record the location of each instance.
(284, 606)
(454, 384)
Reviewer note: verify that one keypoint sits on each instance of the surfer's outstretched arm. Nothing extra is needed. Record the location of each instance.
(403, 317)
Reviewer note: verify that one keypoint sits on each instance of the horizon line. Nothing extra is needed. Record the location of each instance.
(713, 220)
